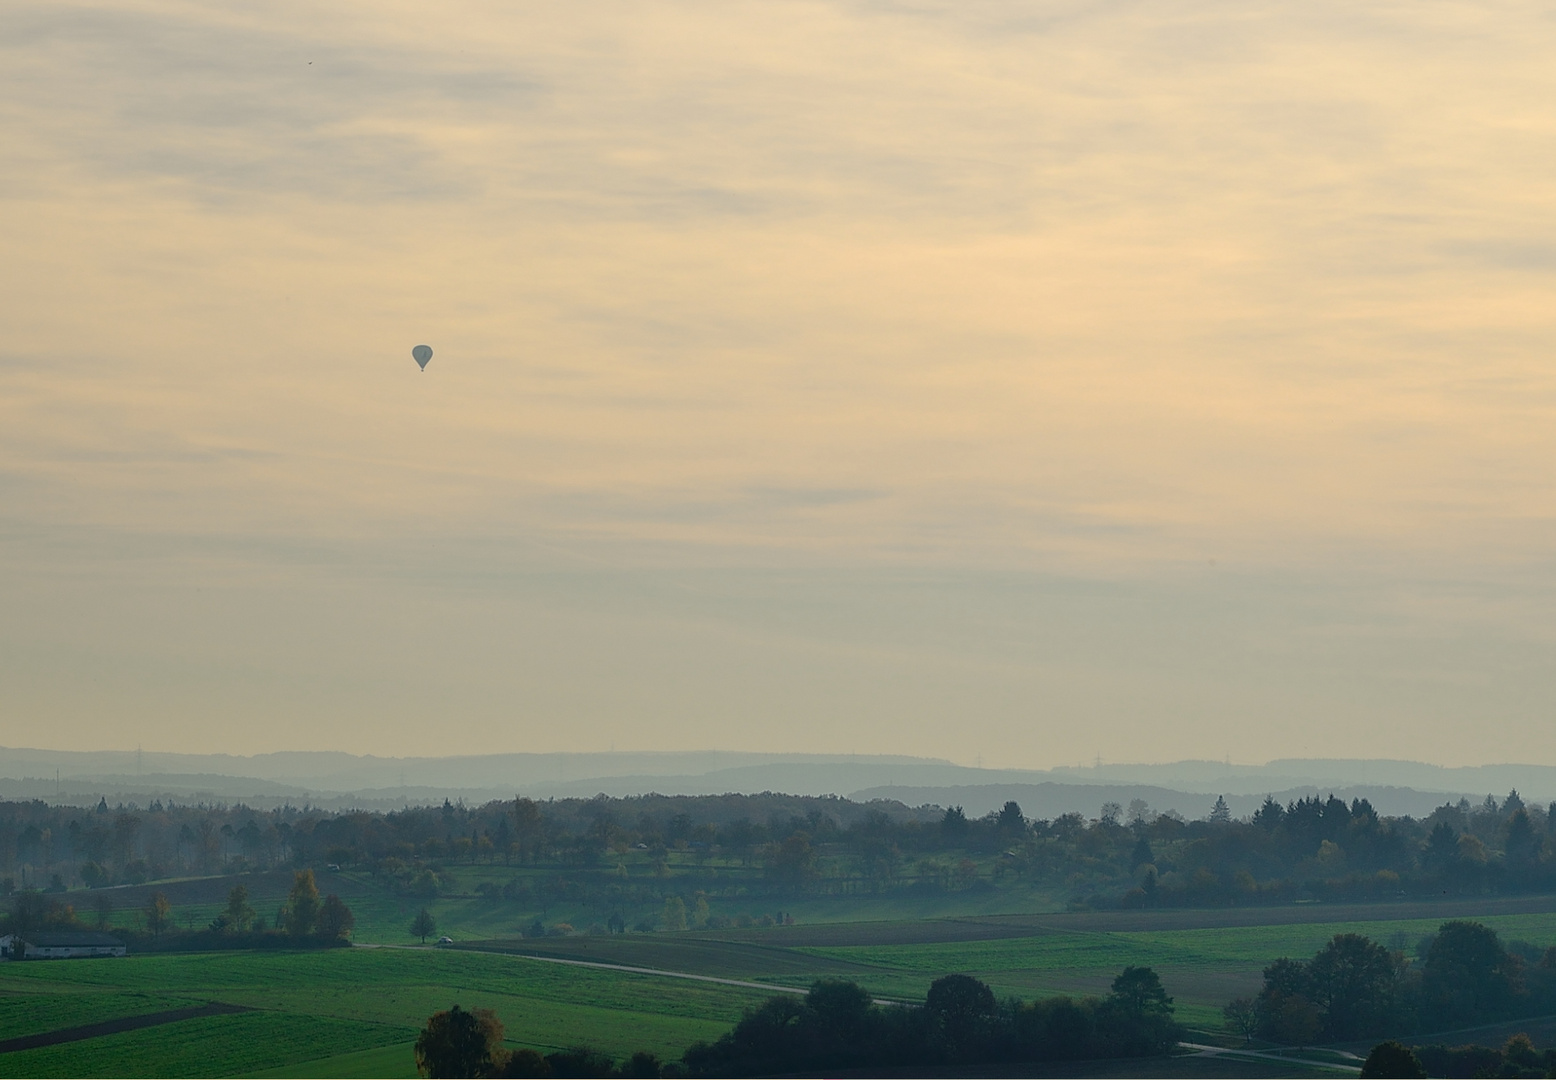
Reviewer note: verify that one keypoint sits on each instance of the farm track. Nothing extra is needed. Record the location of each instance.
(699, 954)
(658, 972)
(123, 1023)
(1200, 1050)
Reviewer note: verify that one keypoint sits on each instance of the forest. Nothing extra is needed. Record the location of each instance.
(623, 857)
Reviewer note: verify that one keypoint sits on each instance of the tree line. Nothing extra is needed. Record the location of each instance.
(618, 853)
(304, 919)
(837, 1026)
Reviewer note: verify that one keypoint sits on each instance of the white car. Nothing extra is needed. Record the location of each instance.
(445, 940)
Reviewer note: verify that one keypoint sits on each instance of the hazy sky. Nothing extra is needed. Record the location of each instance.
(1032, 380)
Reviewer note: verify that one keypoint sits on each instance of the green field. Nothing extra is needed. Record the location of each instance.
(386, 1061)
(210, 1046)
(343, 1012)
(1203, 962)
(316, 1005)
(1203, 968)
(26, 1013)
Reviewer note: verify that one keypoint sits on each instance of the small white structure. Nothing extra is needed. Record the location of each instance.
(59, 945)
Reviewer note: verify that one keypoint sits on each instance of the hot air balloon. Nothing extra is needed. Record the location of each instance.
(422, 353)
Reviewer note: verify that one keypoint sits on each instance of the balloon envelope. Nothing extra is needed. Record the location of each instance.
(422, 353)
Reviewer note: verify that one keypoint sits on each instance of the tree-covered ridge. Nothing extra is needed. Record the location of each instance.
(623, 851)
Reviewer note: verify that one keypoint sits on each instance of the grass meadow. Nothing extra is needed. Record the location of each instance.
(209, 1046)
(1203, 962)
(23, 1012)
(317, 1005)
(1203, 968)
(355, 1012)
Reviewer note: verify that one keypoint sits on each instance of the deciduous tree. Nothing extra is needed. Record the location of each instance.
(424, 925)
(1351, 981)
(335, 918)
(1468, 977)
(302, 904)
(159, 914)
(960, 1007)
(458, 1043)
(239, 915)
(1242, 1017)
(1392, 1059)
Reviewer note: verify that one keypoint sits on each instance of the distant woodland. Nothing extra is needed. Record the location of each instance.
(628, 859)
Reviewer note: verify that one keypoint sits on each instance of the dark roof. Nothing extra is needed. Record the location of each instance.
(68, 939)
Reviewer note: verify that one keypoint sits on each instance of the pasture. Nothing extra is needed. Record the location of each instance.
(24, 1012)
(216, 1045)
(356, 1011)
(1203, 968)
(1203, 961)
(312, 1006)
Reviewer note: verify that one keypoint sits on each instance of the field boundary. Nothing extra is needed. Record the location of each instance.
(662, 973)
(639, 970)
(123, 1023)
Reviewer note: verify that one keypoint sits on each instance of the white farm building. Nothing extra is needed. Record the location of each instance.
(58, 945)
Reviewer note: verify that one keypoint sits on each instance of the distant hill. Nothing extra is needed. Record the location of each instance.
(340, 772)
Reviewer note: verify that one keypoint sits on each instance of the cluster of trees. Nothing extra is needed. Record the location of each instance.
(836, 1025)
(1326, 849)
(305, 918)
(1515, 1058)
(1356, 988)
(468, 1043)
(579, 851)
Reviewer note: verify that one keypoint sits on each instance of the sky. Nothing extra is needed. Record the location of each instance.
(1017, 382)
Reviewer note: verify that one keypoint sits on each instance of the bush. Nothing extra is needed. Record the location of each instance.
(524, 1064)
(1517, 1058)
(580, 1061)
(1392, 1059)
